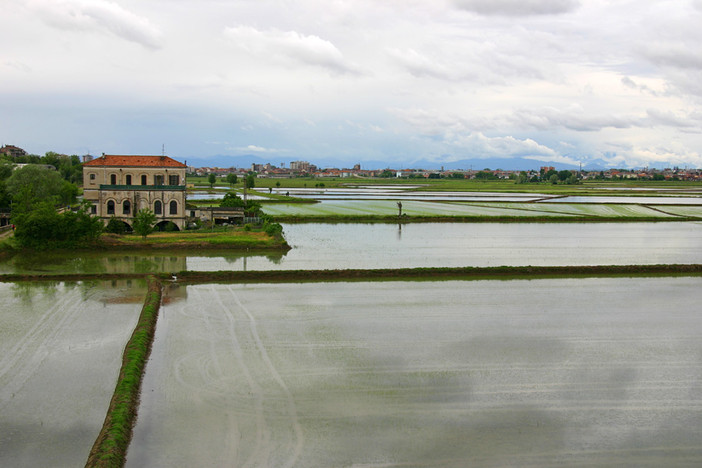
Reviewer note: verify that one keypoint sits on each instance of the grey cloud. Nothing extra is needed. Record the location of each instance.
(518, 7)
(675, 55)
(668, 119)
(573, 118)
(629, 83)
(98, 16)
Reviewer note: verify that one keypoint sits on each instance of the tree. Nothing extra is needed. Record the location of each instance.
(248, 183)
(144, 222)
(232, 200)
(211, 179)
(232, 179)
(564, 174)
(485, 175)
(549, 173)
(43, 227)
(36, 183)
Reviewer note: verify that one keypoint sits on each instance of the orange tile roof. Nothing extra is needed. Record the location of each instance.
(142, 161)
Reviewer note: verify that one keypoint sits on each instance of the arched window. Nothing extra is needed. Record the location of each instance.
(158, 207)
(110, 207)
(126, 207)
(113, 179)
(174, 207)
(129, 179)
(143, 179)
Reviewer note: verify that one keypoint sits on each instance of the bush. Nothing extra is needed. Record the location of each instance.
(115, 226)
(273, 229)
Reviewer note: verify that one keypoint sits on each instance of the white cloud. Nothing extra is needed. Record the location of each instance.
(97, 16)
(504, 146)
(309, 50)
(256, 149)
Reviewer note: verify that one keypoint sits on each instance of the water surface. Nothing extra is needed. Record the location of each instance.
(339, 246)
(60, 353)
(586, 372)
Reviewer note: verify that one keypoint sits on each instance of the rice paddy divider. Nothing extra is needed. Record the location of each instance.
(110, 448)
(382, 274)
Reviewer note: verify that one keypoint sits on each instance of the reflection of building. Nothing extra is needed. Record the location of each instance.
(119, 186)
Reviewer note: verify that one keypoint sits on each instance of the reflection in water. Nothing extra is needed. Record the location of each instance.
(121, 262)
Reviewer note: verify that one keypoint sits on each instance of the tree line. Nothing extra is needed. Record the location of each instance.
(39, 199)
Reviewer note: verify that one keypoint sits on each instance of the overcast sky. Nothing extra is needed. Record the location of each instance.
(398, 80)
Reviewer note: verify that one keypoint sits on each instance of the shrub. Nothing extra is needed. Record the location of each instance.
(273, 229)
(115, 226)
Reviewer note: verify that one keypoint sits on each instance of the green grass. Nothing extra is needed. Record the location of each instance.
(230, 238)
(111, 445)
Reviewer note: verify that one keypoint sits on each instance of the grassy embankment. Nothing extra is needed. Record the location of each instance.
(111, 445)
(229, 239)
(237, 239)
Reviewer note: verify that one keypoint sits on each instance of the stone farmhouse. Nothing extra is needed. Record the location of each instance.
(119, 186)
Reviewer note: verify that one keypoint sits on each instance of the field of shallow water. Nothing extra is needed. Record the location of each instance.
(560, 372)
(338, 246)
(60, 353)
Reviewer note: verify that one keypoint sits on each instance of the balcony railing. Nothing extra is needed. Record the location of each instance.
(142, 187)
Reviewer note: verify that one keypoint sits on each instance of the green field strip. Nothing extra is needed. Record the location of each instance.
(681, 210)
(484, 209)
(605, 210)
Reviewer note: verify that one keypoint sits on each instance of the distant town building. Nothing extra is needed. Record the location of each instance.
(12, 151)
(119, 186)
(302, 166)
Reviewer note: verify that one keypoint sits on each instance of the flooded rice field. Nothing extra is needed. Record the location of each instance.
(60, 353)
(559, 372)
(346, 245)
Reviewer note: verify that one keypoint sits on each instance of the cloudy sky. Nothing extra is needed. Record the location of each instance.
(570, 81)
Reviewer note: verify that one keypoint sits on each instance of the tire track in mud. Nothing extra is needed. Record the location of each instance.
(50, 325)
(262, 432)
(292, 409)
